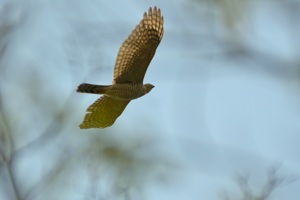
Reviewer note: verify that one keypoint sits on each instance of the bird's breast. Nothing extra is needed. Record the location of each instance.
(125, 91)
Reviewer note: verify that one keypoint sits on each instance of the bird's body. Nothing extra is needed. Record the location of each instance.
(133, 59)
(117, 91)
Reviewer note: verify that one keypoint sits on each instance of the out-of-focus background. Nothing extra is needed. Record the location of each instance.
(222, 123)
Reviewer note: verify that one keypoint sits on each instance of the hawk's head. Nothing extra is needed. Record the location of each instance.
(148, 87)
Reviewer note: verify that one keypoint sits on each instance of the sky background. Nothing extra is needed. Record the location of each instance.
(225, 105)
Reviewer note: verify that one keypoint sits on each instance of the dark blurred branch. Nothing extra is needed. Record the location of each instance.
(272, 183)
(10, 167)
(6, 149)
(48, 179)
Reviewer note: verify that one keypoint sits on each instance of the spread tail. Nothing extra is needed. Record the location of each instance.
(90, 88)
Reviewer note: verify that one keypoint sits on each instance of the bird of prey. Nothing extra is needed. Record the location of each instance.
(133, 59)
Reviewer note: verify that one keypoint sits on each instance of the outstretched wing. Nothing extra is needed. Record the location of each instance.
(137, 51)
(103, 113)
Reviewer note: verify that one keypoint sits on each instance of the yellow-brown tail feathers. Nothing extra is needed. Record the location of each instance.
(90, 88)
